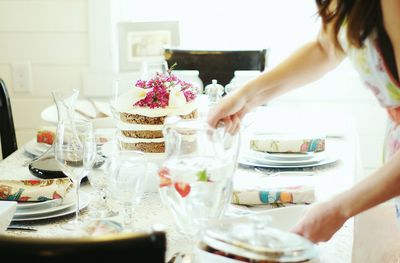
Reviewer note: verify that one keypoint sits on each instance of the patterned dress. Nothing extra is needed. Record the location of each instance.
(375, 74)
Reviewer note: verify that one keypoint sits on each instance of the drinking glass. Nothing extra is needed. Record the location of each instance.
(98, 177)
(127, 179)
(75, 152)
(149, 68)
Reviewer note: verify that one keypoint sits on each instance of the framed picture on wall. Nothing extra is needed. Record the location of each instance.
(140, 41)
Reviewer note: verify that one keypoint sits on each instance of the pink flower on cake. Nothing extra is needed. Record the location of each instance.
(164, 91)
(128, 99)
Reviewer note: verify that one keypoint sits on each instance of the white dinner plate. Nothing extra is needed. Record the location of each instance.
(282, 156)
(260, 160)
(328, 160)
(38, 205)
(84, 200)
(45, 209)
(35, 148)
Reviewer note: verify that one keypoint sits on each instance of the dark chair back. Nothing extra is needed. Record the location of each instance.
(216, 64)
(7, 130)
(132, 247)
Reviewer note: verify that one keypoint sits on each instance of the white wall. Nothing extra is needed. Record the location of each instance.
(52, 35)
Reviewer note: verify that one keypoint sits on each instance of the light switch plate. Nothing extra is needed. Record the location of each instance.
(22, 77)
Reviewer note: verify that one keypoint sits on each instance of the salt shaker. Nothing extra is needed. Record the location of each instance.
(214, 92)
(231, 86)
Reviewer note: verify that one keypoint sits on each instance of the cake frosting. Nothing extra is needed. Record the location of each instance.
(144, 108)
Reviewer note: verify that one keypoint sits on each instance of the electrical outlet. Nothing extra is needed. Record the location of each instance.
(22, 77)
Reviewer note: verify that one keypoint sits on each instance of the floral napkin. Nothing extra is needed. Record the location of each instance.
(259, 189)
(299, 194)
(287, 143)
(33, 190)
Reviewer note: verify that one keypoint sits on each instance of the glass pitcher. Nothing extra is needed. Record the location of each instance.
(196, 177)
(45, 166)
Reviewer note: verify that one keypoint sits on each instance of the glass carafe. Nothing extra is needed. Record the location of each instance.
(45, 166)
(196, 176)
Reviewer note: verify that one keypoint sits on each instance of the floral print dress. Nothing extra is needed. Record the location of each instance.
(375, 74)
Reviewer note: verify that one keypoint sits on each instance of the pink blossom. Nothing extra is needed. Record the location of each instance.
(160, 86)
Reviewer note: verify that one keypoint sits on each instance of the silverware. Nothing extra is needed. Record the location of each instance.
(283, 173)
(180, 257)
(20, 228)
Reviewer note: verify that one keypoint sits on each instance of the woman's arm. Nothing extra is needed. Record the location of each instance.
(307, 64)
(324, 219)
(391, 22)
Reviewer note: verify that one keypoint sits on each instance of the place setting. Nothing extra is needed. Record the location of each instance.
(286, 151)
(32, 211)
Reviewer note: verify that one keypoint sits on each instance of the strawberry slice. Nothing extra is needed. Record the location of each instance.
(165, 179)
(182, 188)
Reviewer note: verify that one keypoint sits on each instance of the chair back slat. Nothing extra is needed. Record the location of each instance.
(214, 64)
(147, 247)
(7, 129)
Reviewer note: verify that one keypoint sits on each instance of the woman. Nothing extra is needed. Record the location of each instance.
(368, 33)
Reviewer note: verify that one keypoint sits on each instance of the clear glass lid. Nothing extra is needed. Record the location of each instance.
(257, 241)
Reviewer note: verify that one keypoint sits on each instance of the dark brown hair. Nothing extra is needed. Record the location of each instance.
(361, 16)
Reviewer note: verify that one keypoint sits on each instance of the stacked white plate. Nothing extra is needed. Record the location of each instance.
(29, 211)
(285, 160)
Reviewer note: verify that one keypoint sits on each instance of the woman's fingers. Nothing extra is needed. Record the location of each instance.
(235, 124)
(229, 105)
(227, 122)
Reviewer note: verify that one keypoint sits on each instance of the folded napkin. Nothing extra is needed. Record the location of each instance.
(252, 188)
(287, 143)
(7, 211)
(291, 195)
(33, 190)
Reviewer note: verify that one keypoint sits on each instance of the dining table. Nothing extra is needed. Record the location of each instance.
(151, 213)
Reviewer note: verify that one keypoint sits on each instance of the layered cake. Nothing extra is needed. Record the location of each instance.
(144, 108)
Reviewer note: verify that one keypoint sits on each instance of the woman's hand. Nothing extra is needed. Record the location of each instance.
(230, 110)
(320, 222)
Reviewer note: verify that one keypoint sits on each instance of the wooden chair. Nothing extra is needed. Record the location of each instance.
(124, 247)
(7, 130)
(216, 64)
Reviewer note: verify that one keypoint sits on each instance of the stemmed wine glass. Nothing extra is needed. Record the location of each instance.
(127, 171)
(75, 151)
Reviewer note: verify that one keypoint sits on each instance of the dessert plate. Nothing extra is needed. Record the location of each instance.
(109, 147)
(84, 199)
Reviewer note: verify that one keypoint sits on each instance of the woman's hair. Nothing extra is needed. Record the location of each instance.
(361, 17)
